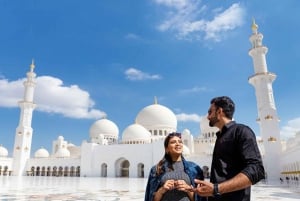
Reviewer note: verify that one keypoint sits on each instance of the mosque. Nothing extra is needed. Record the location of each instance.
(104, 155)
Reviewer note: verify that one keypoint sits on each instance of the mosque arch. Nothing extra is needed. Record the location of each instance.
(66, 171)
(104, 170)
(43, 172)
(122, 167)
(37, 173)
(54, 171)
(60, 171)
(140, 169)
(78, 171)
(48, 171)
(32, 171)
(72, 171)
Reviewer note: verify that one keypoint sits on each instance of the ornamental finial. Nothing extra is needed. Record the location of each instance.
(155, 100)
(32, 66)
(254, 26)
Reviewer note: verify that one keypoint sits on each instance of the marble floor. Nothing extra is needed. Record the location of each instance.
(109, 189)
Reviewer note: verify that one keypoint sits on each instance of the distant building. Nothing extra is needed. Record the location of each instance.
(141, 145)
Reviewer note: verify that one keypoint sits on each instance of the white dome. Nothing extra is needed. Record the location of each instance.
(74, 150)
(157, 116)
(61, 138)
(136, 132)
(186, 132)
(3, 151)
(186, 151)
(70, 145)
(41, 153)
(105, 127)
(205, 128)
(62, 153)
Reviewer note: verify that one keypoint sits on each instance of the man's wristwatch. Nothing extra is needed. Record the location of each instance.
(216, 192)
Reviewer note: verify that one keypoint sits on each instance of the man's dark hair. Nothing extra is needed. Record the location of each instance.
(226, 104)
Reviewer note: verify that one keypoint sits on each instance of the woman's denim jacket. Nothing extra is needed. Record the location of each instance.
(154, 181)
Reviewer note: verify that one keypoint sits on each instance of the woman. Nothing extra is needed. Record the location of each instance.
(173, 177)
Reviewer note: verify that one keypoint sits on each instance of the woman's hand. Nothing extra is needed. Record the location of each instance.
(169, 185)
(181, 185)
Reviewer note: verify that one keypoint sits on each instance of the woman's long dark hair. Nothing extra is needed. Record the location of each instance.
(167, 158)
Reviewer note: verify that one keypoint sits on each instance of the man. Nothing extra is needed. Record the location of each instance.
(236, 162)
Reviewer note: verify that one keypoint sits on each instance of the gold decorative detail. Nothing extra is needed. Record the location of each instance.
(254, 26)
(32, 66)
(268, 117)
(272, 139)
(290, 172)
(26, 148)
(20, 132)
(17, 148)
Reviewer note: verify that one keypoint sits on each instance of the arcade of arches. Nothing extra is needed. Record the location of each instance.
(121, 170)
(56, 171)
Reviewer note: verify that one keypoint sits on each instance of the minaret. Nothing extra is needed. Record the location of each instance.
(24, 130)
(267, 113)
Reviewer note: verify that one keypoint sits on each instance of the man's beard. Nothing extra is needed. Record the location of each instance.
(213, 121)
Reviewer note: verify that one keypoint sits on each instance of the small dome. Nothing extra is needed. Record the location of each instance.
(74, 150)
(62, 153)
(41, 153)
(3, 151)
(70, 145)
(186, 132)
(157, 116)
(104, 127)
(61, 138)
(137, 133)
(205, 128)
(186, 151)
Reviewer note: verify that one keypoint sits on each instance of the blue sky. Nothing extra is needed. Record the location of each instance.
(111, 58)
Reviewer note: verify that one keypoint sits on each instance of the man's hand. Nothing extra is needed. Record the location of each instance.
(203, 188)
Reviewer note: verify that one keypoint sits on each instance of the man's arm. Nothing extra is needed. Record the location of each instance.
(240, 181)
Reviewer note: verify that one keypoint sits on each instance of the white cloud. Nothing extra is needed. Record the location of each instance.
(52, 97)
(195, 89)
(135, 74)
(228, 20)
(188, 117)
(186, 20)
(132, 36)
(11, 92)
(290, 129)
(173, 3)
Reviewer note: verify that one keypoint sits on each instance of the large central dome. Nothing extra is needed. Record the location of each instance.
(157, 117)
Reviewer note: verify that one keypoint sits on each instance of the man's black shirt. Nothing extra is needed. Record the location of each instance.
(236, 151)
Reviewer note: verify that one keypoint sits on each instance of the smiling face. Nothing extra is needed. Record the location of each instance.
(174, 148)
